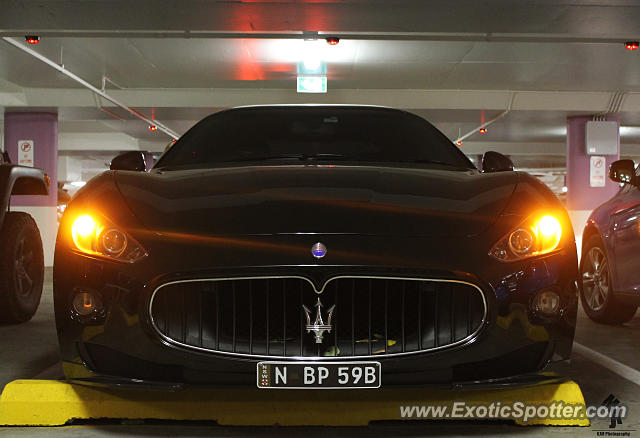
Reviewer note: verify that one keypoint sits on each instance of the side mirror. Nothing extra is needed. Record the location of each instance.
(496, 162)
(133, 160)
(623, 171)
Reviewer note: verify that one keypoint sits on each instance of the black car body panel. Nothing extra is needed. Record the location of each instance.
(318, 199)
(19, 180)
(616, 222)
(391, 221)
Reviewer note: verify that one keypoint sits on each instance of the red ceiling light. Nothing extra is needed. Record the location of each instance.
(459, 143)
(153, 128)
(32, 39)
(482, 131)
(332, 41)
(632, 45)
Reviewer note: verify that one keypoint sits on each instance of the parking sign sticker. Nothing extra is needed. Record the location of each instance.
(25, 153)
(597, 177)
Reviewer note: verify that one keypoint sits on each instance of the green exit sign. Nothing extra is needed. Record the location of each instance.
(312, 84)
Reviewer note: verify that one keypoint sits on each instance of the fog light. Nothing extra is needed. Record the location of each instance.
(547, 303)
(86, 304)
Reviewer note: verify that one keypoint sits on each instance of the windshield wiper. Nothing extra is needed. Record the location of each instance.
(304, 157)
(317, 157)
(421, 161)
(300, 157)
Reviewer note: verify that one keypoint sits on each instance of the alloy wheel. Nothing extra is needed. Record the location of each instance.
(595, 279)
(23, 268)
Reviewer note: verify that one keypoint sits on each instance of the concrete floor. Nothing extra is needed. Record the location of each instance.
(30, 350)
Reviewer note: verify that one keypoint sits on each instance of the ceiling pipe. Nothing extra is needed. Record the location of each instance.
(484, 125)
(161, 127)
(487, 123)
(615, 105)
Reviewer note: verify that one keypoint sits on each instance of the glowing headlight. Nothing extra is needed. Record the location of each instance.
(539, 234)
(96, 236)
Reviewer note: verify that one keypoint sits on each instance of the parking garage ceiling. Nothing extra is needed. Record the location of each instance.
(456, 65)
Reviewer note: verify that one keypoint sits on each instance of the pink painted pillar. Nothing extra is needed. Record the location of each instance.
(581, 197)
(42, 129)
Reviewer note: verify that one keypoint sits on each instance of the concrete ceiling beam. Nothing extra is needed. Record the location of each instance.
(344, 35)
(514, 148)
(99, 141)
(559, 19)
(11, 98)
(571, 101)
(534, 149)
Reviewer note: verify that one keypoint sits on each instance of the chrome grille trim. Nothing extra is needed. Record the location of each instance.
(171, 341)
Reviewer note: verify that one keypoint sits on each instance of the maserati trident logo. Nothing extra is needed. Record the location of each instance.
(318, 250)
(318, 327)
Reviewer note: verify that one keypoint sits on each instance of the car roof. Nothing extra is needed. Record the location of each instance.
(315, 105)
(311, 106)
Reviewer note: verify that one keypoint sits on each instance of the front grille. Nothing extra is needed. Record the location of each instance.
(265, 316)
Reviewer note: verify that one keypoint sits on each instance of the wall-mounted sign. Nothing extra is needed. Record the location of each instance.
(601, 138)
(25, 153)
(312, 84)
(597, 171)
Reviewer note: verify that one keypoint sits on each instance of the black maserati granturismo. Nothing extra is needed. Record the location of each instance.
(313, 247)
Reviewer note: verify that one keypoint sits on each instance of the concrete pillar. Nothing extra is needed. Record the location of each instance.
(581, 197)
(42, 129)
(69, 169)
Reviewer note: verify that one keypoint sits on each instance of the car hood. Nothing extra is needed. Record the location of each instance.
(317, 199)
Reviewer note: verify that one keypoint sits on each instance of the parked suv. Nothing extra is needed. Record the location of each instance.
(21, 257)
(610, 263)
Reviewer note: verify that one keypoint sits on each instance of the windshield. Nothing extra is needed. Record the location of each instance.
(355, 134)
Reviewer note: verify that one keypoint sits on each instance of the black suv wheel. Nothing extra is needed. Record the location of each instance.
(21, 268)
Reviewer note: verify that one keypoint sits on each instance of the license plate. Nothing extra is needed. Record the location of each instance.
(318, 375)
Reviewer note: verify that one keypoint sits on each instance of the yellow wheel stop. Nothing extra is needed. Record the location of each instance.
(55, 403)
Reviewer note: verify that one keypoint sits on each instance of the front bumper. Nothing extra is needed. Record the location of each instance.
(124, 348)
